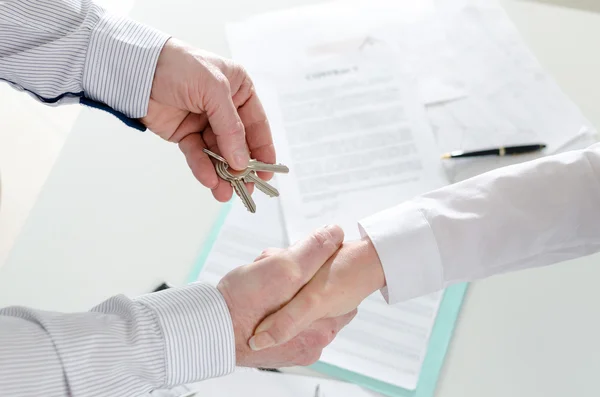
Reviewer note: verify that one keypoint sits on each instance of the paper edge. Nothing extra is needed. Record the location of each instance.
(437, 349)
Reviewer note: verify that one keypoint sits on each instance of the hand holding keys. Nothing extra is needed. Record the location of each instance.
(239, 178)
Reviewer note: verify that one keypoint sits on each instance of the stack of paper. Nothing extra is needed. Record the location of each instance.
(478, 82)
(510, 99)
(363, 97)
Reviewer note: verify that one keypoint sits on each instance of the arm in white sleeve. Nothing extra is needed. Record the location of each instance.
(528, 215)
(61, 50)
(122, 347)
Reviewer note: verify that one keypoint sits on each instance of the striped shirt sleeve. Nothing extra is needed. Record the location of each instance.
(74, 50)
(122, 347)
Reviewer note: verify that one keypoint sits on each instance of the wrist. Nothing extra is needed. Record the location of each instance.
(240, 333)
(369, 260)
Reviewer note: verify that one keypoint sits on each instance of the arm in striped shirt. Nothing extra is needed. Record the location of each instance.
(122, 347)
(73, 50)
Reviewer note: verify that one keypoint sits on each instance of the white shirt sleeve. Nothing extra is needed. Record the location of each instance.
(61, 50)
(123, 347)
(523, 216)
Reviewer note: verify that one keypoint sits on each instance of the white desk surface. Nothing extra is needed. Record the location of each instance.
(120, 213)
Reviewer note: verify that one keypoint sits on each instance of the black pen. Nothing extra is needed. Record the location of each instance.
(501, 151)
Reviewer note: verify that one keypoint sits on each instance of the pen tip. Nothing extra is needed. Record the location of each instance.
(446, 156)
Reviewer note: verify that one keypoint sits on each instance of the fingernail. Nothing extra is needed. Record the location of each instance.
(261, 341)
(241, 158)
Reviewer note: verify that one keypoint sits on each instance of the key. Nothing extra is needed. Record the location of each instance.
(215, 156)
(237, 182)
(238, 179)
(248, 176)
(256, 165)
(261, 185)
(240, 189)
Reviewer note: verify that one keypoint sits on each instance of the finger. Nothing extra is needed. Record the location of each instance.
(285, 324)
(314, 339)
(211, 141)
(267, 253)
(250, 187)
(308, 255)
(192, 123)
(306, 348)
(279, 333)
(202, 167)
(312, 252)
(224, 191)
(226, 124)
(258, 130)
(330, 327)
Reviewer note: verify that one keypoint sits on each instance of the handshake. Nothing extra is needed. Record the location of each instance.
(290, 303)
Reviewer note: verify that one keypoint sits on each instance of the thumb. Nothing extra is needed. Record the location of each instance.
(227, 125)
(285, 324)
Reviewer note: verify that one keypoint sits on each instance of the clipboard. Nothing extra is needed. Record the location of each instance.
(439, 340)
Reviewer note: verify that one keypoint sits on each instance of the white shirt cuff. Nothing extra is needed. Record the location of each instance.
(120, 64)
(408, 252)
(198, 332)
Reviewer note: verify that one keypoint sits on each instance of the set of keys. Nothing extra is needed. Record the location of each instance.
(238, 179)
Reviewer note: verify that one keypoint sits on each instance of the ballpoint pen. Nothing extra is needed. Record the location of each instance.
(499, 151)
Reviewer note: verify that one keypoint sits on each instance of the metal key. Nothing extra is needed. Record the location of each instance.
(240, 188)
(238, 184)
(248, 176)
(215, 156)
(260, 184)
(239, 178)
(256, 165)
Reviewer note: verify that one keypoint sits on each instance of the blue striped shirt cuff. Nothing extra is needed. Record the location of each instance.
(198, 331)
(120, 64)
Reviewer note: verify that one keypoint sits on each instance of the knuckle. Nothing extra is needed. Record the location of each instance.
(311, 300)
(268, 253)
(322, 339)
(317, 340)
(326, 334)
(248, 84)
(293, 272)
(321, 238)
(221, 82)
(283, 327)
(241, 71)
(236, 129)
(330, 336)
(310, 357)
(327, 237)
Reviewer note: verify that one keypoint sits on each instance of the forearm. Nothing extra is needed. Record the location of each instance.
(61, 49)
(524, 216)
(123, 347)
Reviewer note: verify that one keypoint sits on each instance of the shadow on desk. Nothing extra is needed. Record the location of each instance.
(585, 5)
